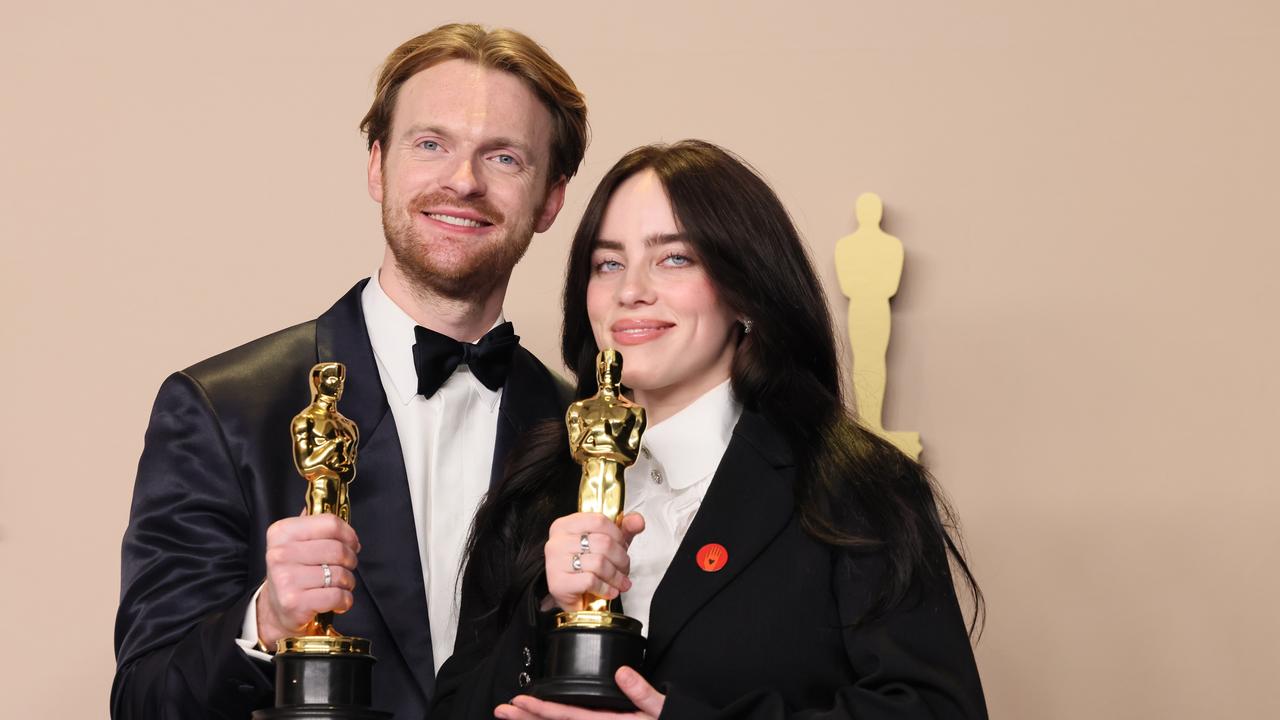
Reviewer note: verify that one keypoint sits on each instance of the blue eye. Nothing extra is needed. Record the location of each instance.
(608, 266)
(506, 160)
(677, 260)
(429, 145)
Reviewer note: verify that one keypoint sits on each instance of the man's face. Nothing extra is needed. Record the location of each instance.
(463, 178)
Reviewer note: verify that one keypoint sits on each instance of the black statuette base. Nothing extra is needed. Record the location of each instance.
(581, 663)
(320, 712)
(328, 687)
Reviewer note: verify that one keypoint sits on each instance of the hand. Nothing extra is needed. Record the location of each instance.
(647, 700)
(604, 566)
(294, 592)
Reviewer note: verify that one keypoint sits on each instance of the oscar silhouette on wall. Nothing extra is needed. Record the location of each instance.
(869, 265)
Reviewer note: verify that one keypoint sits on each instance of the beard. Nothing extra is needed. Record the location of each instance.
(454, 267)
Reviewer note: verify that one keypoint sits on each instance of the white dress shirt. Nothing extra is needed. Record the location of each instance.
(678, 458)
(448, 443)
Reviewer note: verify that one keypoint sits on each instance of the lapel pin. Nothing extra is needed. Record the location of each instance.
(712, 556)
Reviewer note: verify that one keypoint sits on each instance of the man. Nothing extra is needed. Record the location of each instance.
(473, 135)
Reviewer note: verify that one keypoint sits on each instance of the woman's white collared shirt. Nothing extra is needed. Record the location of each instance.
(678, 457)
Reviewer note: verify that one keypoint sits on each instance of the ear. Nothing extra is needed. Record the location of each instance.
(375, 172)
(551, 206)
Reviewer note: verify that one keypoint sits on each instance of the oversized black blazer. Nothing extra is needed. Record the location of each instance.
(773, 634)
(217, 469)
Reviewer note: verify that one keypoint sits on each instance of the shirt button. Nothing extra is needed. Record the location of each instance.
(528, 657)
(523, 679)
(656, 474)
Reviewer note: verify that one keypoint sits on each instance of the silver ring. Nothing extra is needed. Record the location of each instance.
(328, 574)
(585, 543)
(576, 562)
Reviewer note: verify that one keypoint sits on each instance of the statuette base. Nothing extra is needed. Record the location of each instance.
(312, 684)
(320, 712)
(581, 661)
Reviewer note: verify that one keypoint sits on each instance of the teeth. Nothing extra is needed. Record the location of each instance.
(460, 222)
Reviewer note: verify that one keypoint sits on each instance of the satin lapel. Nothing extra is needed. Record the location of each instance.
(749, 502)
(530, 395)
(390, 568)
(342, 337)
(381, 512)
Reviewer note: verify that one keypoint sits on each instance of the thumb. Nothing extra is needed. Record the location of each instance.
(638, 690)
(632, 525)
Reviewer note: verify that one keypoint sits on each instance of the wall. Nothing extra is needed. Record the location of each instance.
(1085, 335)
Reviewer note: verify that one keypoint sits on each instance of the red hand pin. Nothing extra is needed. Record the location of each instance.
(712, 557)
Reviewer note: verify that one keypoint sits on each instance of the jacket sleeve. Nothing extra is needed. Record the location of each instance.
(184, 573)
(912, 663)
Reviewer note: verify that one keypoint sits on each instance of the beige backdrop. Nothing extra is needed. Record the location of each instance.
(1086, 334)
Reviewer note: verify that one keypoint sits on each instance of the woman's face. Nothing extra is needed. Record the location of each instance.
(649, 298)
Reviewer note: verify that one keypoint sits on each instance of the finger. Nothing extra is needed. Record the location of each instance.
(643, 695)
(339, 577)
(597, 545)
(569, 592)
(312, 527)
(593, 570)
(316, 552)
(606, 572)
(301, 578)
(556, 711)
(588, 522)
(568, 589)
(292, 567)
(574, 522)
(507, 711)
(347, 600)
(323, 600)
(297, 607)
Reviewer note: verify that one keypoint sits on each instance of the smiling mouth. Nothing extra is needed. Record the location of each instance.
(635, 333)
(457, 221)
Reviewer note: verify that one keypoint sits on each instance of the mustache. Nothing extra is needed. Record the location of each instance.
(441, 200)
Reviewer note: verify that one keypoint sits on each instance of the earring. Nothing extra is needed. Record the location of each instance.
(746, 326)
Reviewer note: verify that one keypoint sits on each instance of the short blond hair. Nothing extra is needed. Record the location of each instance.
(500, 49)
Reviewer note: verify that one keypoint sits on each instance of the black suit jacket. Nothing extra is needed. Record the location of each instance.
(775, 633)
(217, 469)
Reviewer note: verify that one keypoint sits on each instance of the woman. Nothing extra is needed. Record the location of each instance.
(832, 595)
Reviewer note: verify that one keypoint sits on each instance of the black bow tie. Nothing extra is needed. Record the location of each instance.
(436, 356)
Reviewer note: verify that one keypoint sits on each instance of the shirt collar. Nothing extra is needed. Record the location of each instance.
(690, 444)
(392, 338)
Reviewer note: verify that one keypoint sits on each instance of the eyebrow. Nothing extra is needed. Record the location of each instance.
(514, 144)
(653, 240)
(421, 129)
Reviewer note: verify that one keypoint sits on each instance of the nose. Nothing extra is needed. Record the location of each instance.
(636, 287)
(461, 177)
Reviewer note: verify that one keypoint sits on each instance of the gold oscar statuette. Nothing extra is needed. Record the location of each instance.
(322, 673)
(588, 645)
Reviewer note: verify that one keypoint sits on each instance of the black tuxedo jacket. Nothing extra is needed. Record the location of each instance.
(772, 634)
(217, 469)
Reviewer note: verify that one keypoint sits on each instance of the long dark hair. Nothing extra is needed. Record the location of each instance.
(854, 490)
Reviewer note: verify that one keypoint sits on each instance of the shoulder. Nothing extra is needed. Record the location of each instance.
(258, 368)
(263, 367)
(757, 434)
